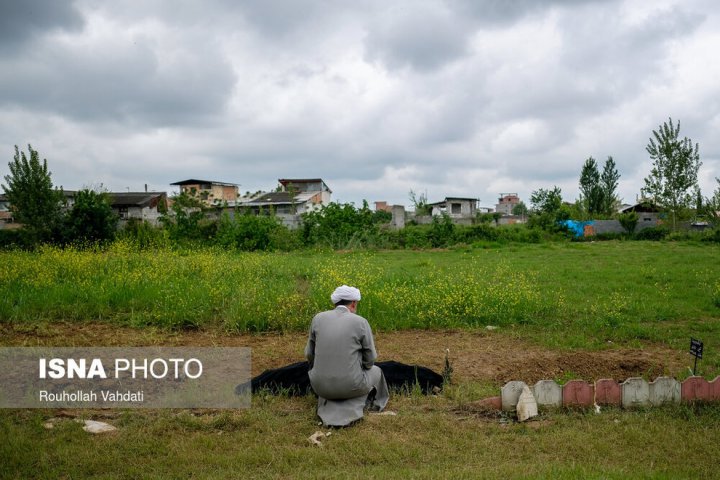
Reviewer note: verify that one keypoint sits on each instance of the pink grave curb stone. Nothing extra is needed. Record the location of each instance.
(696, 389)
(548, 393)
(715, 388)
(510, 394)
(490, 403)
(608, 392)
(635, 392)
(578, 393)
(664, 390)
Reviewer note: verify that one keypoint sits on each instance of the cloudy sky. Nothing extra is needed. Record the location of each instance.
(453, 98)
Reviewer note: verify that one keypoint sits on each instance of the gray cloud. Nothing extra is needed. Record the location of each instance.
(500, 13)
(128, 81)
(453, 97)
(420, 35)
(23, 21)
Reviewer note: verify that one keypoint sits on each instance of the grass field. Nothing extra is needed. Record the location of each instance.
(569, 295)
(429, 438)
(560, 296)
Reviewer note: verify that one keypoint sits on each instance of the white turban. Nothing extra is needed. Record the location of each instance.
(345, 293)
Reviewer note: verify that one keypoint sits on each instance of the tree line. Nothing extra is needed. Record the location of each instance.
(46, 218)
(39, 207)
(672, 186)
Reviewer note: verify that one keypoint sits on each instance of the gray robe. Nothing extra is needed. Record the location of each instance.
(341, 353)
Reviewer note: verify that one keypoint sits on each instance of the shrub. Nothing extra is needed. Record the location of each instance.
(629, 221)
(247, 232)
(679, 236)
(711, 235)
(441, 231)
(652, 233)
(478, 232)
(284, 239)
(183, 220)
(342, 226)
(414, 236)
(14, 238)
(91, 218)
(143, 235)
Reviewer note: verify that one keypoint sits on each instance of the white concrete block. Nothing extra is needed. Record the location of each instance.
(510, 394)
(664, 390)
(635, 392)
(548, 393)
(527, 406)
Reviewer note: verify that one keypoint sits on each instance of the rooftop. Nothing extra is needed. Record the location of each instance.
(195, 181)
(133, 199)
(280, 198)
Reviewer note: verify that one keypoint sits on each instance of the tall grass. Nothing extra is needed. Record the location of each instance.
(572, 294)
(258, 292)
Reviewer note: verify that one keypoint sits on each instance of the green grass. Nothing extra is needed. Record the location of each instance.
(429, 438)
(568, 295)
(563, 295)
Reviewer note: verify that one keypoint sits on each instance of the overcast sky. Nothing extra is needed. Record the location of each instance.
(463, 98)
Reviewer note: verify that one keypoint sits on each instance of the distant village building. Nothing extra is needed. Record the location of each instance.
(7, 220)
(210, 192)
(649, 214)
(6, 216)
(382, 206)
(456, 207)
(293, 197)
(397, 220)
(142, 206)
(314, 189)
(506, 203)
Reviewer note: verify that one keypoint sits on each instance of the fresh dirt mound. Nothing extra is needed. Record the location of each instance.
(499, 358)
(475, 356)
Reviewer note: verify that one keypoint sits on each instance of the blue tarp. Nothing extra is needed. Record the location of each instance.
(576, 227)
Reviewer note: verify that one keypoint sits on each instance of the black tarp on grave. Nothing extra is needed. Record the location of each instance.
(293, 379)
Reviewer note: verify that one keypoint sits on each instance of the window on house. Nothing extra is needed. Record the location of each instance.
(455, 208)
(123, 212)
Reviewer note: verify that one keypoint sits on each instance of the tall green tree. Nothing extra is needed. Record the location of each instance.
(340, 225)
(546, 201)
(184, 219)
(675, 168)
(33, 200)
(547, 209)
(91, 218)
(520, 209)
(598, 192)
(591, 191)
(420, 203)
(629, 221)
(609, 183)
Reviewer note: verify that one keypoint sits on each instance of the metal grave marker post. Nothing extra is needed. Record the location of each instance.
(696, 350)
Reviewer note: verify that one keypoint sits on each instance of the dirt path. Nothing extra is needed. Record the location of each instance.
(475, 356)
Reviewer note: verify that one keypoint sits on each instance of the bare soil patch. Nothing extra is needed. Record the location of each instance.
(475, 355)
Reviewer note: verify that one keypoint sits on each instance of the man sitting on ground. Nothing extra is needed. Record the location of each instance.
(341, 353)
